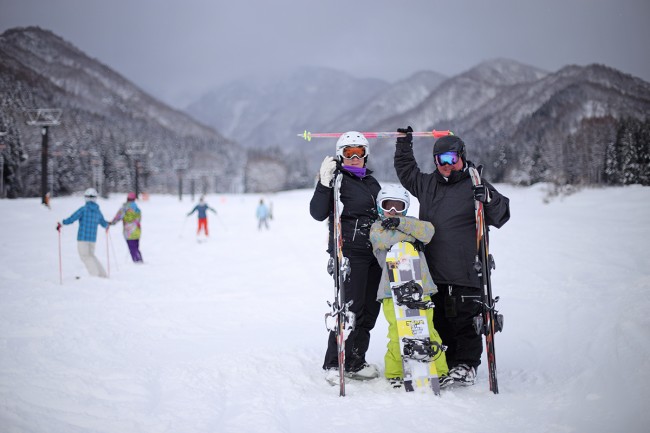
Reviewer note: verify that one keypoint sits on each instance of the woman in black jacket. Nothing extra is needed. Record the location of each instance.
(447, 201)
(358, 192)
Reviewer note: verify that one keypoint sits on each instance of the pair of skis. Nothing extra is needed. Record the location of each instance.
(490, 321)
(340, 320)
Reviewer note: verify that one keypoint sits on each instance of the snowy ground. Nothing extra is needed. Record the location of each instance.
(228, 335)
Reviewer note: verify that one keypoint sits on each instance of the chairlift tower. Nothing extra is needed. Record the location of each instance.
(180, 165)
(137, 148)
(2, 166)
(44, 117)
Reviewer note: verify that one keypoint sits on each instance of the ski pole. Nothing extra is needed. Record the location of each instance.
(108, 260)
(60, 261)
(117, 268)
(180, 235)
(435, 134)
(225, 227)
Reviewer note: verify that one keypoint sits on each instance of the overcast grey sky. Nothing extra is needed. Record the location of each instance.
(177, 49)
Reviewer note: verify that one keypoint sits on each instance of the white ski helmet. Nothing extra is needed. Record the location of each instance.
(90, 194)
(351, 139)
(393, 192)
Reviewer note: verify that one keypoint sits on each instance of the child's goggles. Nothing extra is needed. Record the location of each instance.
(447, 158)
(392, 204)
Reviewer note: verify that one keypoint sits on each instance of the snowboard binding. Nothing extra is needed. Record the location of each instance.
(423, 350)
(410, 294)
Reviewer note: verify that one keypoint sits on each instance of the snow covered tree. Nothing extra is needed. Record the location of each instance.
(265, 171)
(628, 149)
(643, 152)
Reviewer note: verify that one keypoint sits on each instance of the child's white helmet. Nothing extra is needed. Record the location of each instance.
(393, 192)
(90, 194)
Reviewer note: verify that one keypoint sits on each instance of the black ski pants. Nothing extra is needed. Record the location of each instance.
(453, 319)
(361, 287)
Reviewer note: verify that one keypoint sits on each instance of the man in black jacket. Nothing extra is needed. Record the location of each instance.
(447, 201)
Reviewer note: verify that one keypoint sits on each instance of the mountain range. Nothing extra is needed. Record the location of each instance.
(522, 123)
(515, 118)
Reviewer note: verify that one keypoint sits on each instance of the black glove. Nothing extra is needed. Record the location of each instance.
(58, 227)
(419, 245)
(408, 139)
(390, 223)
(481, 193)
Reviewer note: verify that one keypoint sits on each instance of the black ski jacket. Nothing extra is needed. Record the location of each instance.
(359, 197)
(449, 206)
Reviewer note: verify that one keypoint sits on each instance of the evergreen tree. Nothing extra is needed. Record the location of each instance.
(538, 167)
(613, 157)
(643, 152)
(629, 155)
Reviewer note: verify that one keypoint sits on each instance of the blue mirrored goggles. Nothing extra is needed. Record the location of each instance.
(447, 158)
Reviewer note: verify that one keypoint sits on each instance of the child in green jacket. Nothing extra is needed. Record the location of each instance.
(393, 227)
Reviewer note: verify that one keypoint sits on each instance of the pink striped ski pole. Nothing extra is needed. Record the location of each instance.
(435, 134)
(117, 268)
(108, 258)
(60, 262)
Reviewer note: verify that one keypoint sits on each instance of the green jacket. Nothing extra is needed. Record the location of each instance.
(410, 229)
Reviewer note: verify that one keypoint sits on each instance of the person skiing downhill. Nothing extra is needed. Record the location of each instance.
(394, 226)
(447, 199)
(130, 215)
(89, 217)
(202, 211)
(358, 193)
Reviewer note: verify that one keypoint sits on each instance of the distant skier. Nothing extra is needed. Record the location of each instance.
(447, 199)
(89, 217)
(263, 213)
(130, 215)
(202, 209)
(393, 227)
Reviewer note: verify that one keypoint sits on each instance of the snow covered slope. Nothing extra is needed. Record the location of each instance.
(228, 335)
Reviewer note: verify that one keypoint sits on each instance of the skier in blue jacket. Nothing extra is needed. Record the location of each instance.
(89, 217)
(262, 213)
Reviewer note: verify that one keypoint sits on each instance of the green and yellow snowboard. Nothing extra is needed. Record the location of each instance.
(418, 352)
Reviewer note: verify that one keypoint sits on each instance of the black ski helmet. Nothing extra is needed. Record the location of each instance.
(449, 143)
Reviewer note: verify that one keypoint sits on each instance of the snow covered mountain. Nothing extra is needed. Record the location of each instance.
(515, 118)
(399, 97)
(452, 99)
(463, 93)
(520, 122)
(558, 126)
(270, 112)
(102, 115)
